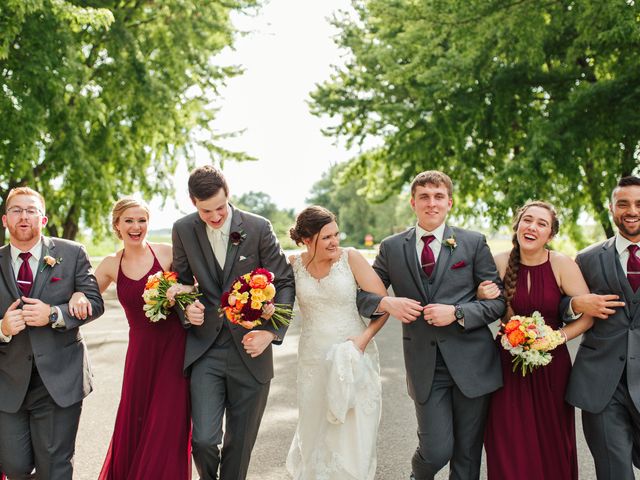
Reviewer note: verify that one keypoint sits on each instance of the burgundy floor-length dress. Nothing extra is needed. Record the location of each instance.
(152, 429)
(530, 432)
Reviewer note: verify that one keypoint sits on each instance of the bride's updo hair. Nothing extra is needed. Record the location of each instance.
(309, 222)
(120, 206)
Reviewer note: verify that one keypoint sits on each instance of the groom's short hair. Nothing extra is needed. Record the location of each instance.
(432, 177)
(205, 182)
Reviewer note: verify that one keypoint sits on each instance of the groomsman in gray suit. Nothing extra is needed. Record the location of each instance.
(450, 356)
(605, 380)
(230, 367)
(44, 369)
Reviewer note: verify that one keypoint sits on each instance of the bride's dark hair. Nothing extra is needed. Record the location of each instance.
(309, 222)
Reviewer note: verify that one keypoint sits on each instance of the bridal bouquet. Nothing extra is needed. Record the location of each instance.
(529, 340)
(156, 305)
(248, 295)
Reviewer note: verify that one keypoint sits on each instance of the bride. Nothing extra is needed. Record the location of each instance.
(339, 391)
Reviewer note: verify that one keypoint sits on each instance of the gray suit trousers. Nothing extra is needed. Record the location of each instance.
(41, 435)
(222, 385)
(613, 436)
(440, 438)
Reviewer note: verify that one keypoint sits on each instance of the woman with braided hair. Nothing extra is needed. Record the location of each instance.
(529, 422)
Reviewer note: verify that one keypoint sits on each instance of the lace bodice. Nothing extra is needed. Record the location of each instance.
(328, 306)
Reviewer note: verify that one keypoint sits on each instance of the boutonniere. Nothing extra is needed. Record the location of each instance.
(236, 238)
(49, 261)
(451, 242)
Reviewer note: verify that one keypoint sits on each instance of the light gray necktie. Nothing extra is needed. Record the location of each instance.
(219, 247)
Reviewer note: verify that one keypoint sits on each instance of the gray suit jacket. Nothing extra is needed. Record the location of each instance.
(610, 344)
(193, 257)
(469, 352)
(60, 355)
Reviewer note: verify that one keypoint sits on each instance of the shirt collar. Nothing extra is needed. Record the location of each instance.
(36, 251)
(226, 226)
(438, 232)
(622, 243)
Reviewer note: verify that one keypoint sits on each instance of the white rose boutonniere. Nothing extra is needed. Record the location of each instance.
(49, 261)
(451, 242)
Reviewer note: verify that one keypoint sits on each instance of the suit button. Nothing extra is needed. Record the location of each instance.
(217, 329)
(29, 357)
(433, 342)
(621, 358)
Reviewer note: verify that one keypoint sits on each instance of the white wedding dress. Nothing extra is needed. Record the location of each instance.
(339, 390)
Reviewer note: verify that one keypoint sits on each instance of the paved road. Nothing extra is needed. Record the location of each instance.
(107, 340)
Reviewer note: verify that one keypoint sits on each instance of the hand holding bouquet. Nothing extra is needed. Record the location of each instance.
(156, 301)
(251, 295)
(529, 340)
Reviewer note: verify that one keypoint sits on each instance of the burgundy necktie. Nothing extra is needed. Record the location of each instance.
(427, 259)
(633, 267)
(25, 275)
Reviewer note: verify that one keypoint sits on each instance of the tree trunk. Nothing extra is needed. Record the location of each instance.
(598, 206)
(70, 226)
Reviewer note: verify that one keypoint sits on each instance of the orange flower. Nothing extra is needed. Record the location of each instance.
(258, 281)
(511, 326)
(153, 282)
(516, 337)
(170, 276)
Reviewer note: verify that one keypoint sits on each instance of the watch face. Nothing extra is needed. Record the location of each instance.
(459, 314)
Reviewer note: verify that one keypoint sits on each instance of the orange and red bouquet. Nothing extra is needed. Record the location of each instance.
(249, 294)
(156, 305)
(529, 340)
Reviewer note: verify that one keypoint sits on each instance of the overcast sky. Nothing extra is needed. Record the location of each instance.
(289, 50)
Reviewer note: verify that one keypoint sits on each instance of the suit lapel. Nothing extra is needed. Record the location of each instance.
(43, 274)
(7, 271)
(444, 259)
(232, 250)
(200, 230)
(613, 273)
(413, 264)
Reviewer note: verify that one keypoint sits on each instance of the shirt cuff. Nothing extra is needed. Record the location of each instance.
(570, 314)
(3, 338)
(59, 323)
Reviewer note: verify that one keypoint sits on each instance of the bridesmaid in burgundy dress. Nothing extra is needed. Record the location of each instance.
(152, 428)
(530, 432)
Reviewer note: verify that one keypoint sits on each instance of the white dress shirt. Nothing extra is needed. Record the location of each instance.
(436, 243)
(622, 245)
(219, 238)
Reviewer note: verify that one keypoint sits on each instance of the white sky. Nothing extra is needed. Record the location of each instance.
(289, 50)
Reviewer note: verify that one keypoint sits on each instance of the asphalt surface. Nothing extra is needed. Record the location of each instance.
(107, 341)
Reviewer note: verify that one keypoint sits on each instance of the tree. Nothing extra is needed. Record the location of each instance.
(260, 203)
(357, 214)
(97, 102)
(515, 99)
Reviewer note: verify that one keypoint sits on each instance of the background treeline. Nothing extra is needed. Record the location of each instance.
(515, 99)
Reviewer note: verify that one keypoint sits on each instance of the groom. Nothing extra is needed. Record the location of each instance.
(230, 367)
(450, 357)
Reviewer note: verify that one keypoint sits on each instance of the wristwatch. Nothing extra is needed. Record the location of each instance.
(458, 313)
